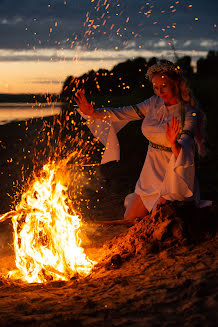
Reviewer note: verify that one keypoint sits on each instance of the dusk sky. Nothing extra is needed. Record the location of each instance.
(43, 42)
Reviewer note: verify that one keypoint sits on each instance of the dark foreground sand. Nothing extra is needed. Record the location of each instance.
(170, 286)
(159, 272)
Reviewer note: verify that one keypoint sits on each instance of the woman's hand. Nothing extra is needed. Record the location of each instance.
(173, 130)
(86, 107)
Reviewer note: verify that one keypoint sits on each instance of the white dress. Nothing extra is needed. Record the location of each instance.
(163, 175)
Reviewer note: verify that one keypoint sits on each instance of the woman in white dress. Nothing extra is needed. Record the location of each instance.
(173, 124)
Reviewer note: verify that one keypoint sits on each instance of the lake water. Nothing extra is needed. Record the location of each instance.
(25, 111)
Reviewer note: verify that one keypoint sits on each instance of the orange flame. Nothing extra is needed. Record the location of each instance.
(46, 236)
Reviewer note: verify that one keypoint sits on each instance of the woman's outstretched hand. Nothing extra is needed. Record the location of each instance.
(86, 107)
(173, 130)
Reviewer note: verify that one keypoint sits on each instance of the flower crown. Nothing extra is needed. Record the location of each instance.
(163, 66)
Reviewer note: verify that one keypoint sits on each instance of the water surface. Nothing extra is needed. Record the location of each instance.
(25, 111)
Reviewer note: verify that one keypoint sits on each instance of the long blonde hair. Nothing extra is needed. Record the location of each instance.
(174, 73)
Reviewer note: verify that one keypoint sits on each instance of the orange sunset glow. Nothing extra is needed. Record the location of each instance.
(47, 76)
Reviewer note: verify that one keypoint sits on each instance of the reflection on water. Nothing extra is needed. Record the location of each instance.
(24, 111)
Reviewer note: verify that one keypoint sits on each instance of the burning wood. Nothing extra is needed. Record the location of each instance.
(47, 240)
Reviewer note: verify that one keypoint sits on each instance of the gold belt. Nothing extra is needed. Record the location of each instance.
(166, 148)
(160, 147)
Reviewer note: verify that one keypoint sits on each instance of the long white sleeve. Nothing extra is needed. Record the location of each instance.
(127, 113)
(115, 119)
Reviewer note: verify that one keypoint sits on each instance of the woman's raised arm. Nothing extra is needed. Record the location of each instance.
(86, 107)
(128, 112)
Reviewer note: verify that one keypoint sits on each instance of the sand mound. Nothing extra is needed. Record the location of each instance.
(174, 223)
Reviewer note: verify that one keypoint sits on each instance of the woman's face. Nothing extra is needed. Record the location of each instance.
(166, 89)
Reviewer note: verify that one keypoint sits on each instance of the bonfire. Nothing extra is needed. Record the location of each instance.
(47, 232)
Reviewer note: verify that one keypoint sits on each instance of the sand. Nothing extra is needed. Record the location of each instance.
(159, 272)
(145, 276)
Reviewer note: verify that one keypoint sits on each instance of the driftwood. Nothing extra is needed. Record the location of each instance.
(127, 222)
(7, 215)
(12, 213)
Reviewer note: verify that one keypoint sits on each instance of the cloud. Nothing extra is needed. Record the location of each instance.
(160, 44)
(125, 24)
(187, 43)
(208, 43)
(39, 81)
(13, 21)
(79, 55)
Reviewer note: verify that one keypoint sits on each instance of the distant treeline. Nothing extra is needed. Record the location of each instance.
(29, 98)
(128, 76)
(125, 78)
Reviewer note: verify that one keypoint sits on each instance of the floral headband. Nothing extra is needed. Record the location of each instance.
(163, 66)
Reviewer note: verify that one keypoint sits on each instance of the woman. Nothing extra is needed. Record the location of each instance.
(172, 123)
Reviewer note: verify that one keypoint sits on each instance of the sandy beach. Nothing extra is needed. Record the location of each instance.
(159, 272)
